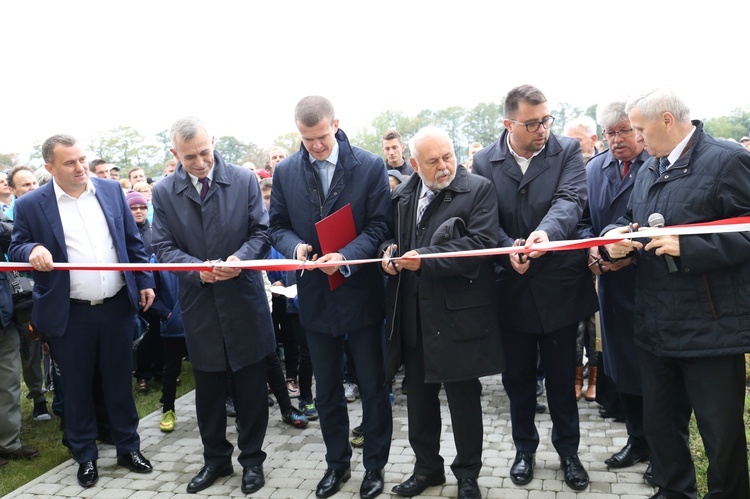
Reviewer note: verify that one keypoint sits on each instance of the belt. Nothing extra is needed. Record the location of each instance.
(92, 303)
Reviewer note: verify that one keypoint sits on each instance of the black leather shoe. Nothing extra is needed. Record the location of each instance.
(575, 476)
(252, 479)
(416, 484)
(88, 475)
(135, 461)
(658, 495)
(522, 471)
(607, 414)
(372, 484)
(648, 475)
(332, 482)
(628, 456)
(468, 488)
(207, 476)
(540, 408)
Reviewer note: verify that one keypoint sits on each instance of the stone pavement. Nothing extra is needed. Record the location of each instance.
(295, 460)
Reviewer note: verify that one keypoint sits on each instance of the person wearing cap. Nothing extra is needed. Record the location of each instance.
(114, 172)
(395, 178)
(745, 142)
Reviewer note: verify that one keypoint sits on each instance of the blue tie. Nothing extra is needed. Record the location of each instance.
(322, 167)
(423, 202)
(663, 164)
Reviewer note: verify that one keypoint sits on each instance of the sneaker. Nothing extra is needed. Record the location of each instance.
(40, 411)
(294, 417)
(351, 391)
(293, 388)
(358, 441)
(357, 431)
(167, 421)
(308, 409)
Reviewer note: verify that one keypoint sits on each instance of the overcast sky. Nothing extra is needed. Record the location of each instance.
(84, 67)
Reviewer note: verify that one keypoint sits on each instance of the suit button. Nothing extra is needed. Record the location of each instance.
(666, 177)
(446, 236)
(523, 191)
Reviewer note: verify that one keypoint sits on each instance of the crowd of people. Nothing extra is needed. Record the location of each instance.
(662, 319)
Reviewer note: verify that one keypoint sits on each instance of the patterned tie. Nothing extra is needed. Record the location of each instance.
(423, 202)
(204, 187)
(322, 167)
(625, 168)
(663, 164)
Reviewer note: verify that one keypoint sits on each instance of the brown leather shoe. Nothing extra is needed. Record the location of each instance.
(21, 453)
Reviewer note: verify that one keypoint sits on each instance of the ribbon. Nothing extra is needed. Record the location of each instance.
(739, 224)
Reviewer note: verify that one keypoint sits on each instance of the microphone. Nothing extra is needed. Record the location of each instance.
(657, 220)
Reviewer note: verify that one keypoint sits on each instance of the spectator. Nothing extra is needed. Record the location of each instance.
(339, 174)
(393, 148)
(583, 129)
(275, 155)
(691, 296)
(541, 191)
(169, 167)
(114, 172)
(87, 316)
(224, 311)
(435, 341)
(6, 197)
(145, 189)
(395, 178)
(99, 168)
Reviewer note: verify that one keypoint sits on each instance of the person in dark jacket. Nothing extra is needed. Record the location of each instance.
(541, 191)
(442, 312)
(610, 177)
(208, 211)
(326, 174)
(692, 296)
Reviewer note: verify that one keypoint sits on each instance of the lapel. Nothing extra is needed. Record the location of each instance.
(52, 213)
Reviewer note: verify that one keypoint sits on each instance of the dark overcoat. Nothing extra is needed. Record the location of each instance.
(453, 299)
(229, 319)
(557, 290)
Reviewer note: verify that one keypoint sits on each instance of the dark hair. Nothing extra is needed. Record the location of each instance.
(14, 170)
(95, 163)
(524, 93)
(48, 147)
(311, 109)
(393, 134)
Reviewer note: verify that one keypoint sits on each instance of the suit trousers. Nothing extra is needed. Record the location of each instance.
(557, 350)
(251, 404)
(632, 407)
(98, 343)
(715, 389)
(423, 406)
(367, 349)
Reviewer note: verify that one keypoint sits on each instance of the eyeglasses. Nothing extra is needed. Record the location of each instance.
(138, 207)
(534, 125)
(623, 134)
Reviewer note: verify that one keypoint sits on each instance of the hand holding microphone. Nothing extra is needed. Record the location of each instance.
(664, 245)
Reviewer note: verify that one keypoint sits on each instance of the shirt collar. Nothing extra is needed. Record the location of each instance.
(334, 156)
(90, 190)
(521, 158)
(210, 176)
(677, 151)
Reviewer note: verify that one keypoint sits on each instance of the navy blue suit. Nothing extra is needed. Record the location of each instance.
(86, 340)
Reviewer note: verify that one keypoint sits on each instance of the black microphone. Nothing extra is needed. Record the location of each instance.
(657, 220)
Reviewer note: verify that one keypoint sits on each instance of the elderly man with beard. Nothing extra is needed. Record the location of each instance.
(441, 312)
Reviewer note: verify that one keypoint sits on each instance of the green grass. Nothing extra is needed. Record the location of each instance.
(47, 436)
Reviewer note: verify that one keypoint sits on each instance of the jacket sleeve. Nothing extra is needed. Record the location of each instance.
(21, 243)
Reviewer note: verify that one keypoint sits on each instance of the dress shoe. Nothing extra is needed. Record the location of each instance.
(252, 479)
(135, 461)
(468, 489)
(522, 471)
(628, 456)
(207, 476)
(3, 462)
(658, 495)
(573, 472)
(21, 453)
(332, 482)
(539, 387)
(416, 484)
(372, 484)
(540, 408)
(648, 475)
(88, 475)
(607, 414)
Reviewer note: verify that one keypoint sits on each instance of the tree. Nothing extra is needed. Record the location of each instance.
(127, 148)
(8, 160)
(289, 141)
(733, 126)
(483, 123)
(232, 149)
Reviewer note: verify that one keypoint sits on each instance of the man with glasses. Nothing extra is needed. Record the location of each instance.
(541, 191)
(610, 178)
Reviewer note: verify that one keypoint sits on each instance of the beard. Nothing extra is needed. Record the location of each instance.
(443, 179)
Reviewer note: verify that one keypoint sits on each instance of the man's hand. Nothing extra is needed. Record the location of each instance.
(413, 264)
(519, 261)
(624, 247)
(41, 259)
(226, 273)
(147, 298)
(599, 266)
(388, 265)
(665, 245)
(536, 237)
(303, 250)
(330, 257)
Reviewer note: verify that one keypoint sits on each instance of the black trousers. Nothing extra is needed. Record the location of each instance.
(715, 389)
(423, 406)
(174, 350)
(252, 414)
(367, 348)
(557, 350)
(632, 407)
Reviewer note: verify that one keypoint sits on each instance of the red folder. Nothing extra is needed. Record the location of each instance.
(334, 232)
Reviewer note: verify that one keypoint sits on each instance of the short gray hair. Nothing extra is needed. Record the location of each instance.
(611, 113)
(656, 102)
(313, 108)
(48, 147)
(428, 131)
(588, 124)
(186, 129)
